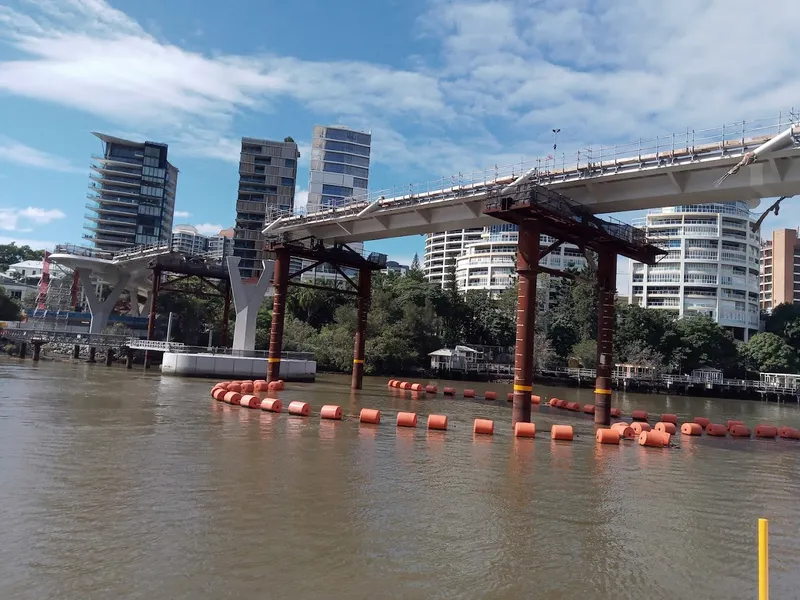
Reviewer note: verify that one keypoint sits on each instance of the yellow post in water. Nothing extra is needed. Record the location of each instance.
(763, 559)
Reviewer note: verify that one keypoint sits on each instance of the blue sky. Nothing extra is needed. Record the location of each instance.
(446, 86)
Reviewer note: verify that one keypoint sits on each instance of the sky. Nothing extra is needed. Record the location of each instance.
(445, 87)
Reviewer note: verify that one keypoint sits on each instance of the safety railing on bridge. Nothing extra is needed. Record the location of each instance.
(691, 145)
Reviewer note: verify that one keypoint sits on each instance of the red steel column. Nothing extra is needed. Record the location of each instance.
(226, 313)
(364, 291)
(527, 261)
(606, 289)
(280, 281)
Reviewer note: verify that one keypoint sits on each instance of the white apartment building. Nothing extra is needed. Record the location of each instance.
(186, 239)
(712, 265)
(443, 248)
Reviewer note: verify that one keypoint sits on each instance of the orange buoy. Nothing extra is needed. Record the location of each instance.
(616, 412)
(218, 393)
(639, 415)
(405, 385)
(561, 432)
(669, 418)
(235, 387)
(417, 387)
(406, 419)
(250, 401)
(301, 409)
(789, 433)
(534, 399)
(731, 423)
(431, 389)
(573, 406)
(490, 395)
(390, 383)
(640, 426)
(766, 431)
(553, 401)
(691, 429)
(437, 422)
(232, 397)
(607, 436)
(588, 409)
(260, 386)
(510, 396)
(370, 415)
(739, 431)
(469, 393)
(448, 391)
(483, 426)
(666, 427)
(562, 404)
(716, 430)
(248, 387)
(702, 421)
(625, 430)
(272, 405)
(331, 411)
(274, 386)
(654, 439)
(524, 429)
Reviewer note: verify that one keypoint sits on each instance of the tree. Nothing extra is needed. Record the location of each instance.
(644, 336)
(585, 353)
(9, 309)
(704, 344)
(769, 353)
(11, 253)
(289, 139)
(415, 262)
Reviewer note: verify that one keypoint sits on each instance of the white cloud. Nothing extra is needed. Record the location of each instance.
(17, 153)
(10, 218)
(209, 228)
(300, 200)
(182, 214)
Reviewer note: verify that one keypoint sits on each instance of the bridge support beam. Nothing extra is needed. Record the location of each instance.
(23, 349)
(76, 351)
(527, 262)
(606, 289)
(226, 315)
(281, 285)
(362, 304)
(128, 358)
(92, 354)
(37, 349)
(101, 308)
(247, 299)
(109, 357)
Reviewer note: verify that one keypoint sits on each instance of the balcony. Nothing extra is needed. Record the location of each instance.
(97, 218)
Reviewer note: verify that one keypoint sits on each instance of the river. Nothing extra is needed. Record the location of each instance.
(126, 484)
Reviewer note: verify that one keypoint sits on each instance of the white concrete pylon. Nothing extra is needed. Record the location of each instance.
(101, 309)
(247, 299)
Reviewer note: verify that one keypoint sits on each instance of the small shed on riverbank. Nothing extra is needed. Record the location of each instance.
(456, 359)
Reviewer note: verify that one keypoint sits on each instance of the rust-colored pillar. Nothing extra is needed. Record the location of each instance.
(606, 290)
(226, 314)
(37, 349)
(280, 281)
(362, 301)
(527, 261)
(151, 318)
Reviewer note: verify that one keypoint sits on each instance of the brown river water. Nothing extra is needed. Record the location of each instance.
(125, 484)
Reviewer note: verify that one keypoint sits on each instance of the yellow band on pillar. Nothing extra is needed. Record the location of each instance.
(599, 391)
(523, 388)
(273, 360)
(358, 361)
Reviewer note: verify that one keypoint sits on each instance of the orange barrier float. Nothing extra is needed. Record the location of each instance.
(573, 406)
(260, 386)
(625, 430)
(448, 391)
(331, 411)
(730, 423)
(666, 427)
(607, 436)
(589, 409)
(490, 395)
(640, 426)
(654, 439)
(691, 429)
(232, 397)
(483, 426)
(702, 421)
(766, 431)
(639, 415)
(417, 387)
(616, 412)
(534, 399)
(275, 386)
(234, 387)
(716, 430)
(437, 422)
(391, 383)
(510, 397)
(218, 393)
(248, 387)
(739, 431)
(250, 401)
(431, 389)
(405, 385)
(562, 432)
(525, 430)
(271, 405)
(553, 401)
(669, 418)
(788, 433)
(406, 419)
(469, 393)
(301, 409)
(370, 415)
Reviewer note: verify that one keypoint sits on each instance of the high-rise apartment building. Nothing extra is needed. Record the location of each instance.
(132, 195)
(712, 265)
(339, 166)
(220, 246)
(267, 176)
(780, 269)
(186, 239)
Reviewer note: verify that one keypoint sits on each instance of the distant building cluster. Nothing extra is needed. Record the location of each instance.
(186, 239)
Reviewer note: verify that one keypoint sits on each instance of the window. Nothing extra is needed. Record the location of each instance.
(348, 159)
(150, 162)
(345, 147)
(289, 163)
(345, 169)
(287, 181)
(359, 183)
(336, 190)
(147, 190)
(348, 136)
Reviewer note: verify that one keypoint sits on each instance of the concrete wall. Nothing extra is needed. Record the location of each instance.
(234, 367)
